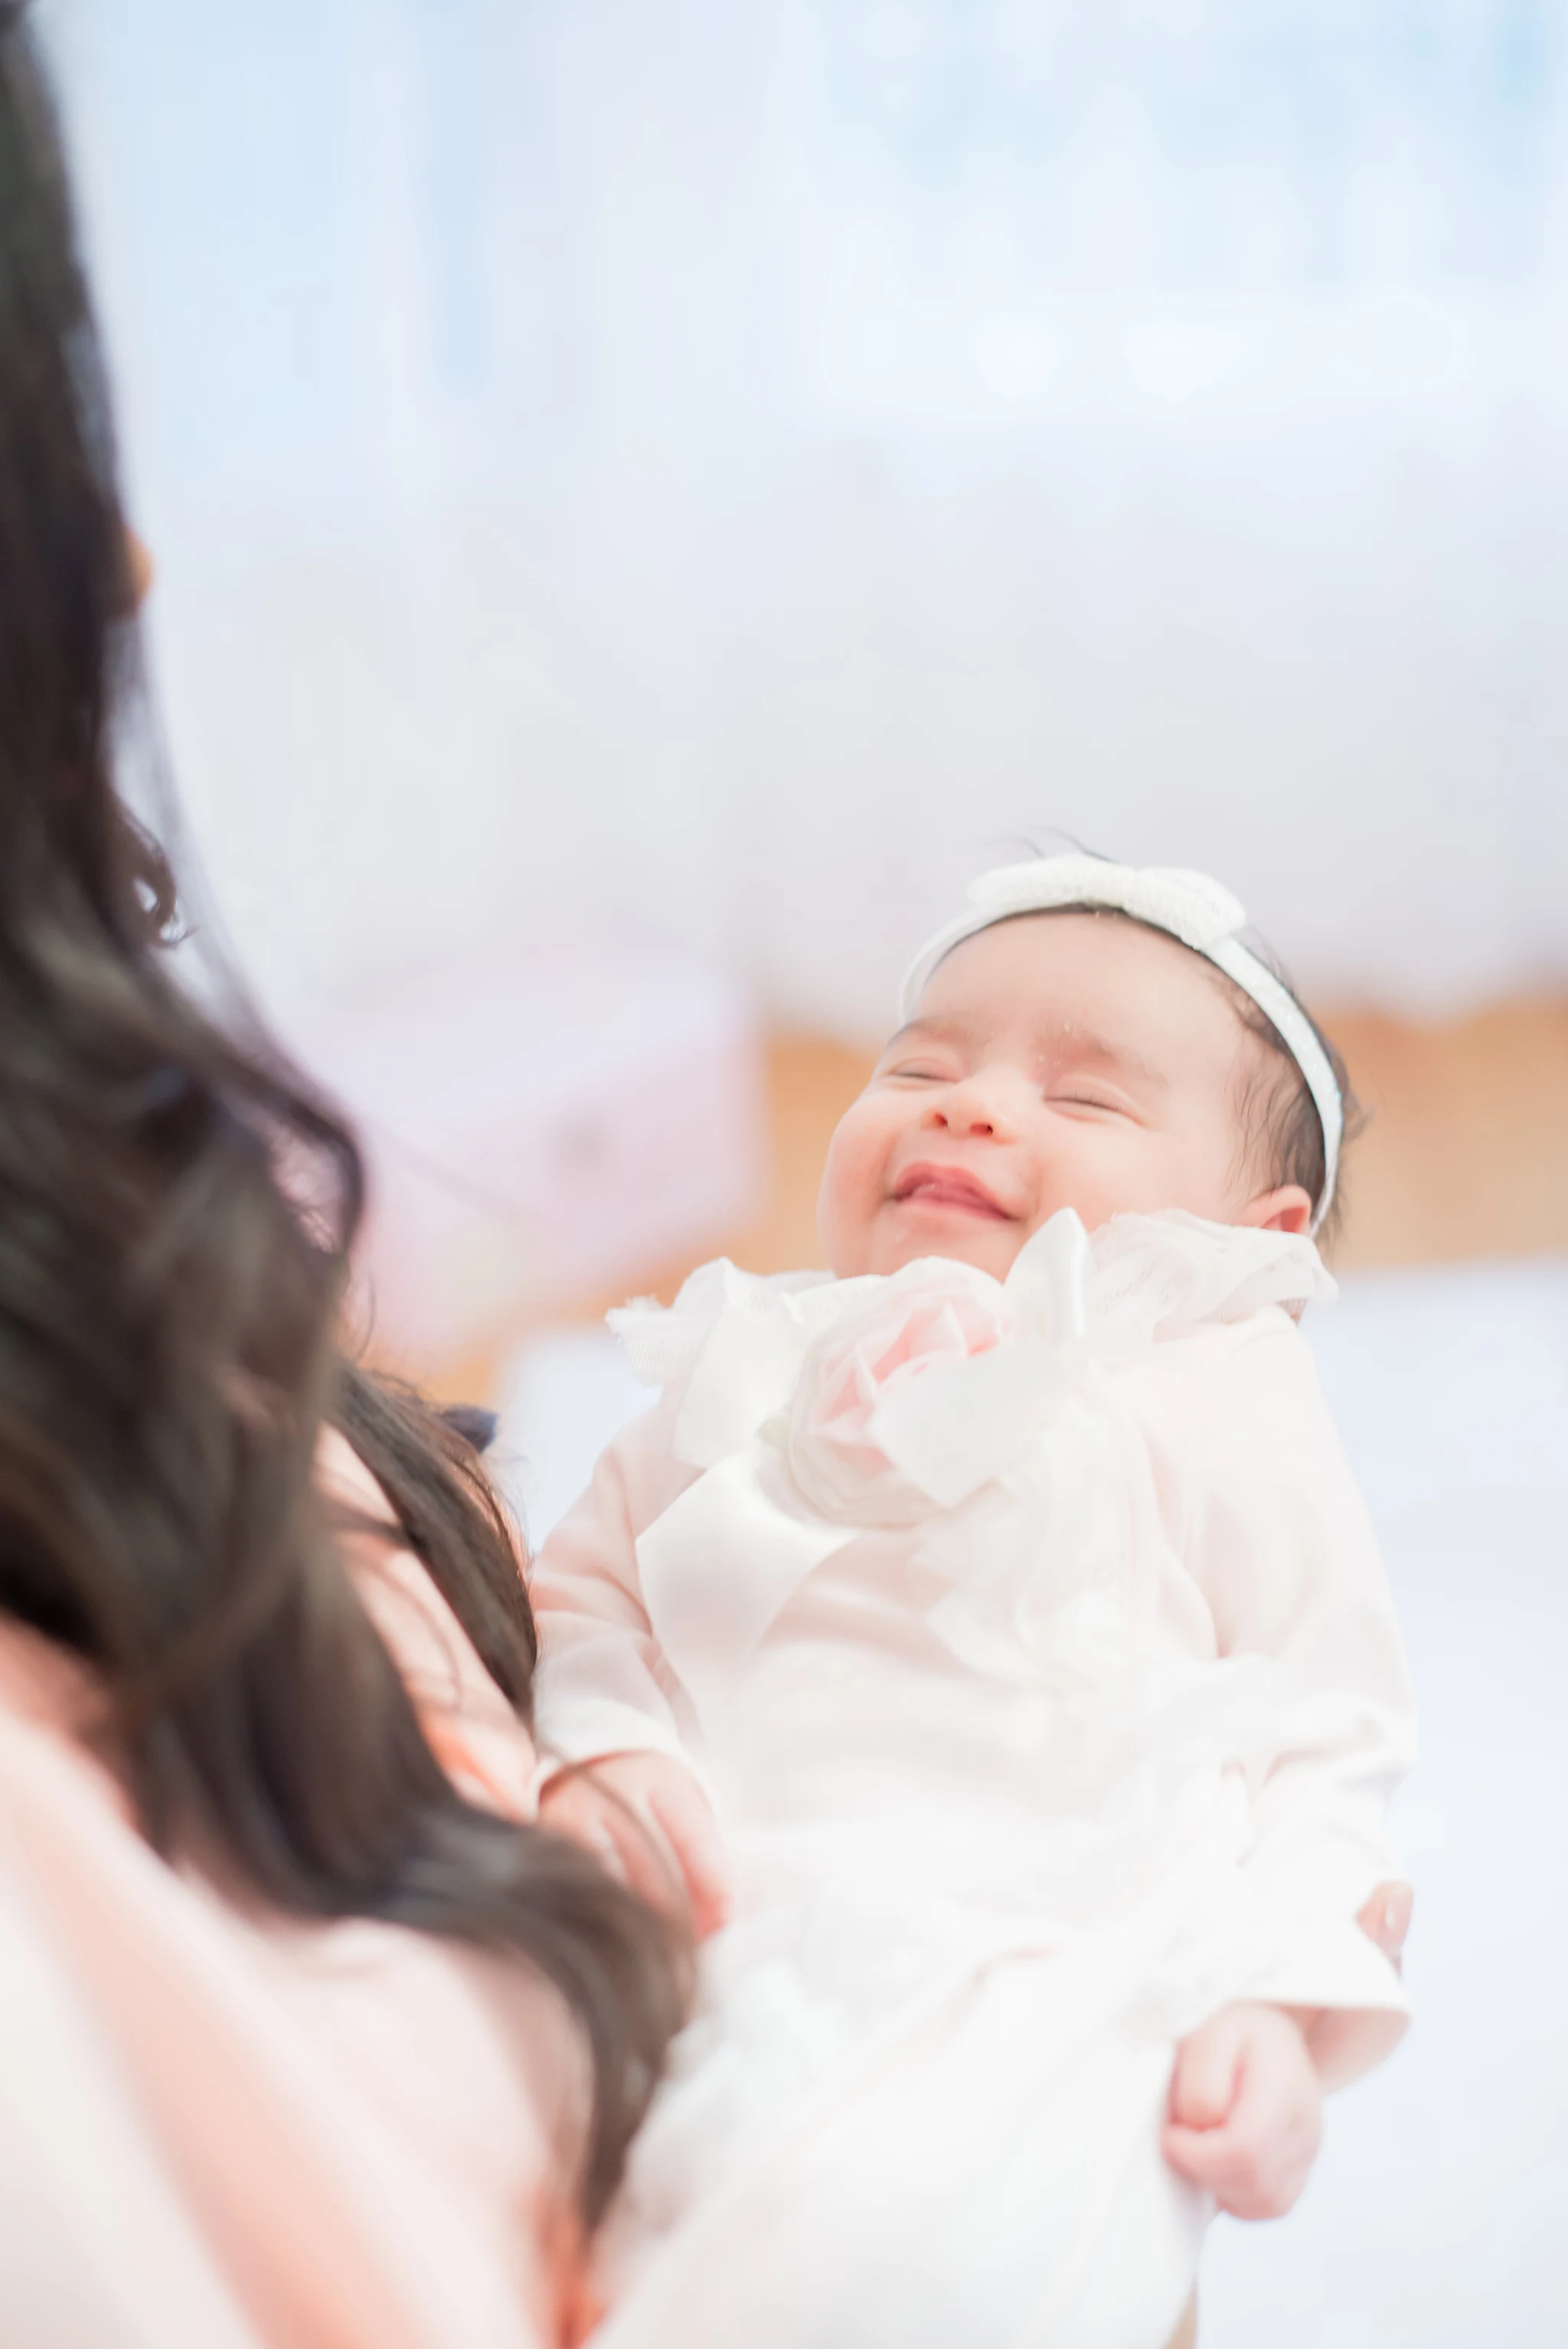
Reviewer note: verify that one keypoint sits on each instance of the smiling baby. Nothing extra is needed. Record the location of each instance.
(989, 1635)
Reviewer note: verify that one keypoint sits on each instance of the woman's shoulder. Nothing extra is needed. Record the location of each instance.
(385, 2100)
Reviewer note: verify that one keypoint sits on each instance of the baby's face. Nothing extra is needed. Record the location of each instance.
(1054, 1060)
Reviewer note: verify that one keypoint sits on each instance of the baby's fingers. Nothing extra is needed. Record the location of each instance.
(648, 1861)
(625, 1842)
(648, 1819)
(683, 1812)
(1203, 2083)
(572, 1806)
(1197, 2154)
(1255, 2166)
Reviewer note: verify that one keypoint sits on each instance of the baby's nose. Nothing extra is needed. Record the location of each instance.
(976, 1106)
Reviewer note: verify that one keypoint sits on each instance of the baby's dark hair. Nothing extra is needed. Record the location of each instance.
(1282, 1131)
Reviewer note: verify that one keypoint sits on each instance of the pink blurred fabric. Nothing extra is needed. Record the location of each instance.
(221, 2128)
(902, 1332)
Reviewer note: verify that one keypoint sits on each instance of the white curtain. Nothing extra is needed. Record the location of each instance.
(714, 472)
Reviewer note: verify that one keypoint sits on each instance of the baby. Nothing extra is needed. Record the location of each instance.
(989, 1634)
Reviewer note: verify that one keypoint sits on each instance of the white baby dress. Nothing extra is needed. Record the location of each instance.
(1031, 1640)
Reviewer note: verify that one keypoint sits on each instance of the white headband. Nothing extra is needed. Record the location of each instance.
(1188, 906)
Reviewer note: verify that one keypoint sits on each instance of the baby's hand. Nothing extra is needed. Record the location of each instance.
(645, 1816)
(1246, 2111)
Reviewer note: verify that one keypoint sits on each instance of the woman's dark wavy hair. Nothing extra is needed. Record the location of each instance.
(176, 1205)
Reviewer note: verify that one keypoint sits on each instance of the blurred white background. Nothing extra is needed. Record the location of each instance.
(713, 469)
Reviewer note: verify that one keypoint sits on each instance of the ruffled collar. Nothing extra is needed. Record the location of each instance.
(1155, 1275)
(1136, 1280)
(814, 1408)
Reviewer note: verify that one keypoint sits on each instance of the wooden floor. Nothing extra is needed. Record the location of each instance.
(1465, 1153)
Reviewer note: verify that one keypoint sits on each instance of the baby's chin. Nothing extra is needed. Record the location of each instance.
(990, 1247)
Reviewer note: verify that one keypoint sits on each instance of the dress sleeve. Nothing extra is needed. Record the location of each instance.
(604, 1686)
(1285, 1555)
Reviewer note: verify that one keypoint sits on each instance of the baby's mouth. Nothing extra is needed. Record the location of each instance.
(951, 1188)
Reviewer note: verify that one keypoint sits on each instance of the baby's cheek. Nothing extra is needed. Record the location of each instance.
(850, 1192)
(1118, 1170)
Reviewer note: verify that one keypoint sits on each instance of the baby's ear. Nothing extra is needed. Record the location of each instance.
(1286, 1209)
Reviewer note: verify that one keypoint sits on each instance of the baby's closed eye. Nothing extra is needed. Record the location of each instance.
(1081, 1097)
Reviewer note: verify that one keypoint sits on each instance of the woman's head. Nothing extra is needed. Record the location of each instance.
(169, 1311)
(153, 1272)
(1068, 1058)
(66, 572)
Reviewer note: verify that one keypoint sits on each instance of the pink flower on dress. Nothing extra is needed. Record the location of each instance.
(933, 1312)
